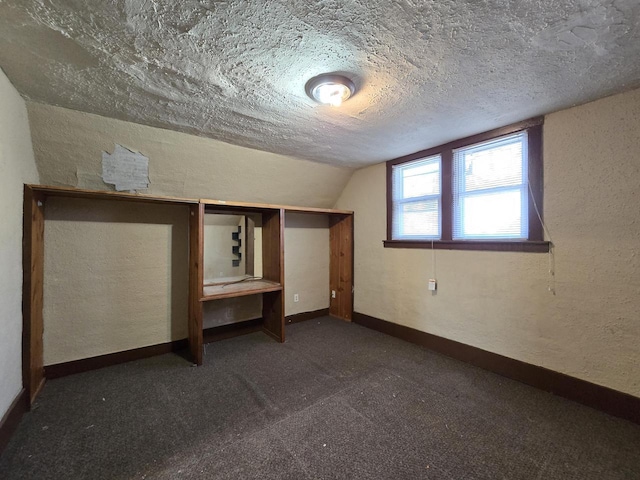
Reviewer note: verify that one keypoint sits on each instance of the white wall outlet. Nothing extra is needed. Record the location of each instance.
(296, 298)
(433, 285)
(333, 294)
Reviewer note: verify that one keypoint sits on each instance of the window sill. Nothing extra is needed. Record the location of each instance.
(486, 245)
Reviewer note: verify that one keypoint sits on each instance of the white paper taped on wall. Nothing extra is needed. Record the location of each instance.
(125, 169)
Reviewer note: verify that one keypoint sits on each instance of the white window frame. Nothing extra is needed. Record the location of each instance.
(400, 200)
(458, 197)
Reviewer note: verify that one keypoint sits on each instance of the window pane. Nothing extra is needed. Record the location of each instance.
(421, 180)
(493, 168)
(416, 199)
(417, 179)
(493, 215)
(489, 190)
(420, 219)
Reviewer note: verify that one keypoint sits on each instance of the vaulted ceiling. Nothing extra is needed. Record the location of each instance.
(426, 71)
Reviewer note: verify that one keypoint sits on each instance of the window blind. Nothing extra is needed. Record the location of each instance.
(416, 199)
(490, 190)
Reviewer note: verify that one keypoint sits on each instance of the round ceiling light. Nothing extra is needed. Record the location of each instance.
(330, 89)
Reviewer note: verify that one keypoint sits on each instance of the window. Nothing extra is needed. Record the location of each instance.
(416, 199)
(490, 189)
(482, 193)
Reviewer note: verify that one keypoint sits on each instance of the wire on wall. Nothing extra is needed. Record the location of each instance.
(433, 260)
(551, 283)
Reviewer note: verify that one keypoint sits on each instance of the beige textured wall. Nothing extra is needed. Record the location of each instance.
(231, 310)
(218, 247)
(499, 301)
(68, 146)
(115, 275)
(17, 166)
(306, 262)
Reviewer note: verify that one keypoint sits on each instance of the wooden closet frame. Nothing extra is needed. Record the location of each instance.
(271, 286)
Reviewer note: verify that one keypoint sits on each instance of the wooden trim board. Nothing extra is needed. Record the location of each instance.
(213, 334)
(238, 289)
(596, 396)
(52, 190)
(11, 419)
(273, 270)
(302, 317)
(71, 192)
(270, 206)
(93, 363)
(484, 245)
(196, 275)
(32, 292)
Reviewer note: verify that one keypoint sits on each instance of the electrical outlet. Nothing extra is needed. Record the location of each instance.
(333, 294)
(295, 297)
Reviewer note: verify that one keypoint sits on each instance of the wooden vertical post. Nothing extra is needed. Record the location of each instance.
(32, 292)
(196, 272)
(341, 266)
(273, 269)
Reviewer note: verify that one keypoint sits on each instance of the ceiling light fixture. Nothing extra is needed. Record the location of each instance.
(330, 89)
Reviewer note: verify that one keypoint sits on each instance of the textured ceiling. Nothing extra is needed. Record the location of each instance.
(426, 71)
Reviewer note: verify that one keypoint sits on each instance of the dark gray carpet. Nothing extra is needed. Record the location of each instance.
(335, 401)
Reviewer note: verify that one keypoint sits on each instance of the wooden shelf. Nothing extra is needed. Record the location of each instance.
(249, 287)
(70, 192)
(60, 191)
(270, 206)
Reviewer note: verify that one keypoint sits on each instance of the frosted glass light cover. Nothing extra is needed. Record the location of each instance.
(330, 89)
